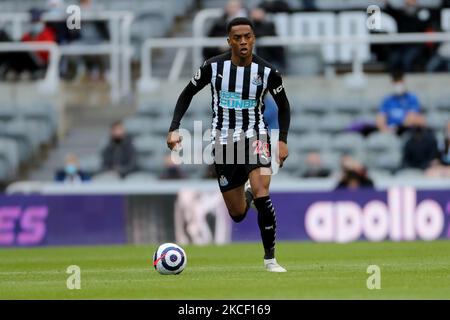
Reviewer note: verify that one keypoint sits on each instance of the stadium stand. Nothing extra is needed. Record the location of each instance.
(324, 114)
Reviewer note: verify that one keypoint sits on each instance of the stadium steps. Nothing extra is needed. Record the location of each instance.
(88, 118)
(163, 58)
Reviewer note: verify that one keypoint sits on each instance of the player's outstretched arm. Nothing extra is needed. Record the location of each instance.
(197, 83)
(284, 113)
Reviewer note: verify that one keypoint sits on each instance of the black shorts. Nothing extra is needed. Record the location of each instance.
(234, 161)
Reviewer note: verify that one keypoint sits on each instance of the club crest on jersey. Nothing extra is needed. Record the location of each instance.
(257, 81)
(223, 181)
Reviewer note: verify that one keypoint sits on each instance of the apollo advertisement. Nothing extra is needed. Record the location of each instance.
(400, 214)
(197, 217)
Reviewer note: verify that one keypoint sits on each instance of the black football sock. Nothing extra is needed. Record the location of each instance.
(267, 225)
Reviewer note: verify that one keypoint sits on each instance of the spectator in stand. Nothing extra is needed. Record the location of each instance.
(39, 32)
(92, 32)
(354, 175)
(410, 18)
(71, 172)
(119, 155)
(399, 111)
(275, 6)
(56, 9)
(233, 9)
(440, 167)
(308, 5)
(314, 167)
(171, 171)
(264, 28)
(420, 148)
(12, 64)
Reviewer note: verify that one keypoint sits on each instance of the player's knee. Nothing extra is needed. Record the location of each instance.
(237, 216)
(236, 213)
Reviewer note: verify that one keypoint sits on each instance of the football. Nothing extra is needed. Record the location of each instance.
(169, 258)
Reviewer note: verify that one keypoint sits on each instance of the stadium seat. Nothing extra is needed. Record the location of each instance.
(7, 114)
(382, 142)
(438, 120)
(347, 143)
(140, 177)
(409, 174)
(9, 150)
(136, 126)
(294, 163)
(319, 107)
(310, 142)
(377, 174)
(312, 25)
(348, 106)
(146, 144)
(388, 160)
(91, 164)
(334, 123)
(152, 163)
(20, 135)
(149, 109)
(304, 123)
(331, 160)
(4, 170)
(353, 24)
(106, 177)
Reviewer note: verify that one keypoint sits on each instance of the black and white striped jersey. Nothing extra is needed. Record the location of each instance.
(237, 95)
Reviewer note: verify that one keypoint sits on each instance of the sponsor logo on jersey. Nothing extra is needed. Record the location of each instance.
(233, 100)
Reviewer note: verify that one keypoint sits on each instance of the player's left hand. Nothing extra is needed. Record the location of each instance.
(283, 152)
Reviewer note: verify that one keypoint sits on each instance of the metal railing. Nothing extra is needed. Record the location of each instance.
(148, 82)
(50, 82)
(118, 48)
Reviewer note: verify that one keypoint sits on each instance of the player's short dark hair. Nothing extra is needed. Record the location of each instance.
(240, 21)
(397, 76)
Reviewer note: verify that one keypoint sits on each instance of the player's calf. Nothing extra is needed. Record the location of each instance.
(237, 210)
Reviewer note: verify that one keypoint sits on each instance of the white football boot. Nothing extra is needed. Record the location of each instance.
(273, 266)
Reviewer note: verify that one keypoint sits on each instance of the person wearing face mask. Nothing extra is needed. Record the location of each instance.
(39, 32)
(233, 9)
(120, 154)
(399, 111)
(71, 173)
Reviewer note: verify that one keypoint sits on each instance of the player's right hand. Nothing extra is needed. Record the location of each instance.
(173, 139)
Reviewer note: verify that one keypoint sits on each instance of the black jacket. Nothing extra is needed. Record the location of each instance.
(120, 157)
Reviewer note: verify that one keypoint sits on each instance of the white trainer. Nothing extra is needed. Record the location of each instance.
(273, 266)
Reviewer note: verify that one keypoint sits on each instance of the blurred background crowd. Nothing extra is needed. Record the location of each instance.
(354, 141)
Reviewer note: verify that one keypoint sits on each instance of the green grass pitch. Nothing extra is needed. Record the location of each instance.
(409, 270)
